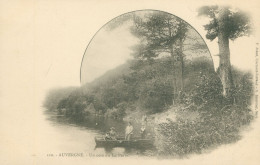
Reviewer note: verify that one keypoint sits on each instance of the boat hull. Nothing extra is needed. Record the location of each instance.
(120, 142)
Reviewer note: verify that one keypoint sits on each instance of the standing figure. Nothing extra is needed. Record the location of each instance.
(143, 131)
(144, 119)
(129, 131)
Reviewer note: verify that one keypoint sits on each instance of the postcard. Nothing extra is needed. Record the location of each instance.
(126, 82)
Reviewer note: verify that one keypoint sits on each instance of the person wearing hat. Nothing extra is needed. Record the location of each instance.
(112, 133)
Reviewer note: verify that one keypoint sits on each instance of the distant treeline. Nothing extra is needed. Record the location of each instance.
(138, 84)
(146, 86)
(54, 97)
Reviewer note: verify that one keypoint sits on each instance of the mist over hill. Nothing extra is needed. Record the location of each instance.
(140, 87)
(137, 84)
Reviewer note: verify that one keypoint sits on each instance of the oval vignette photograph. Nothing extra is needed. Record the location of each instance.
(149, 87)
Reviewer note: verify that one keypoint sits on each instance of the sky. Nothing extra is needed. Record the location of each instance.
(42, 43)
(107, 50)
(111, 48)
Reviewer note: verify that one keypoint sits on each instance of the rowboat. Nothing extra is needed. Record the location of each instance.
(121, 142)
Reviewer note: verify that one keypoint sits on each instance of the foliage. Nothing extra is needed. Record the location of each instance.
(237, 23)
(219, 123)
(159, 32)
(243, 88)
(186, 137)
(205, 94)
(145, 84)
(226, 24)
(117, 112)
(55, 96)
(73, 104)
(156, 95)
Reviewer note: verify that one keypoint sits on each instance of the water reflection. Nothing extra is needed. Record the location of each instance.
(96, 126)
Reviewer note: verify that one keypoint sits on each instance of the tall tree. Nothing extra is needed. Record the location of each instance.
(162, 34)
(225, 24)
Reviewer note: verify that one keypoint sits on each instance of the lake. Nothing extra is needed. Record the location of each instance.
(81, 133)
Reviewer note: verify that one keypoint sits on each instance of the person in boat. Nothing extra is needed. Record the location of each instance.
(111, 135)
(144, 119)
(107, 136)
(143, 131)
(129, 131)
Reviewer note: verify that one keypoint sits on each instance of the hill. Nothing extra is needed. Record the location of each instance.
(201, 119)
(144, 85)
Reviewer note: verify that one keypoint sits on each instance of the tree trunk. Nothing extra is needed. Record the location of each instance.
(224, 69)
(181, 60)
(179, 75)
(178, 67)
(174, 83)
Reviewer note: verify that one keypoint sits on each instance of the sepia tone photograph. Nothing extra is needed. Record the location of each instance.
(128, 82)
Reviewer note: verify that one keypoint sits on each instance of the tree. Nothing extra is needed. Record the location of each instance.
(162, 34)
(225, 24)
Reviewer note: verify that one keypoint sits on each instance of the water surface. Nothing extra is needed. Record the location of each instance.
(82, 133)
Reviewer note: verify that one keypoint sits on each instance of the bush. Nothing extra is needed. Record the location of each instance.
(185, 137)
(220, 121)
(243, 89)
(156, 95)
(119, 112)
(208, 91)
